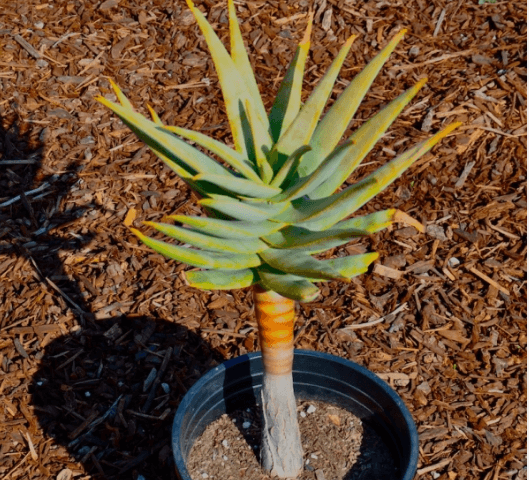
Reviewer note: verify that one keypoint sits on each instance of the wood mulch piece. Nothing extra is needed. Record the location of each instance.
(100, 338)
(336, 445)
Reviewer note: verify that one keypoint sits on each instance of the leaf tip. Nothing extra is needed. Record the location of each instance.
(350, 40)
(402, 217)
(154, 115)
(136, 232)
(421, 83)
(306, 38)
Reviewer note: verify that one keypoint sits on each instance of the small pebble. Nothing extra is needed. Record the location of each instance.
(302, 414)
(453, 262)
(225, 443)
(224, 457)
(86, 394)
(39, 25)
(311, 409)
(312, 455)
(204, 475)
(166, 388)
(246, 425)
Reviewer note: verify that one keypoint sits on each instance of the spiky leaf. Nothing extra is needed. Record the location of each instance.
(208, 242)
(290, 286)
(229, 228)
(222, 279)
(300, 264)
(200, 258)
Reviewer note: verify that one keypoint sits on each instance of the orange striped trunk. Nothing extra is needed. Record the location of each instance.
(281, 450)
(275, 317)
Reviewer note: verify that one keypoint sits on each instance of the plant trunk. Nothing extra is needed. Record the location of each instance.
(281, 451)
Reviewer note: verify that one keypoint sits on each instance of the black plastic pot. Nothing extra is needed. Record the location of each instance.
(317, 376)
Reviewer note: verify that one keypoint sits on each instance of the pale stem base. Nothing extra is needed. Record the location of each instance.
(281, 451)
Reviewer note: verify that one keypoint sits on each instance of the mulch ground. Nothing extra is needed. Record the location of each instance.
(100, 338)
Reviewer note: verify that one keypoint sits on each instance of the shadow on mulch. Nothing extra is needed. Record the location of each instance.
(108, 394)
(29, 211)
(100, 393)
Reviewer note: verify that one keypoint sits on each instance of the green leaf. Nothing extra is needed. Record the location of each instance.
(364, 140)
(289, 167)
(242, 62)
(121, 97)
(296, 238)
(222, 279)
(201, 258)
(208, 242)
(234, 91)
(352, 265)
(374, 222)
(261, 146)
(159, 139)
(288, 100)
(289, 286)
(323, 213)
(243, 210)
(229, 228)
(302, 127)
(239, 186)
(333, 125)
(301, 264)
(230, 156)
(328, 168)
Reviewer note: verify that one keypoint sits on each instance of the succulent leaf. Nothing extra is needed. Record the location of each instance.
(364, 139)
(228, 228)
(239, 186)
(208, 242)
(243, 210)
(301, 264)
(302, 127)
(328, 168)
(230, 156)
(290, 166)
(374, 222)
(290, 286)
(259, 146)
(288, 100)
(323, 213)
(242, 62)
(165, 142)
(201, 258)
(234, 91)
(352, 265)
(297, 238)
(121, 96)
(335, 122)
(222, 279)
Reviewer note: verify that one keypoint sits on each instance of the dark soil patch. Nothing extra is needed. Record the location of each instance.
(336, 446)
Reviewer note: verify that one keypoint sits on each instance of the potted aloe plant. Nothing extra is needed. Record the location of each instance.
(274, 202)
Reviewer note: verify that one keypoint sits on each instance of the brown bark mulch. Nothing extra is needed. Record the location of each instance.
(100, 338)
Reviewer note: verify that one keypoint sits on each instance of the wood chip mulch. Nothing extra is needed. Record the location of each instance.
(100, 338)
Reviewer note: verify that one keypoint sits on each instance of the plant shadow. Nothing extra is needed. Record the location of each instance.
(108, 393)
(30, 216)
